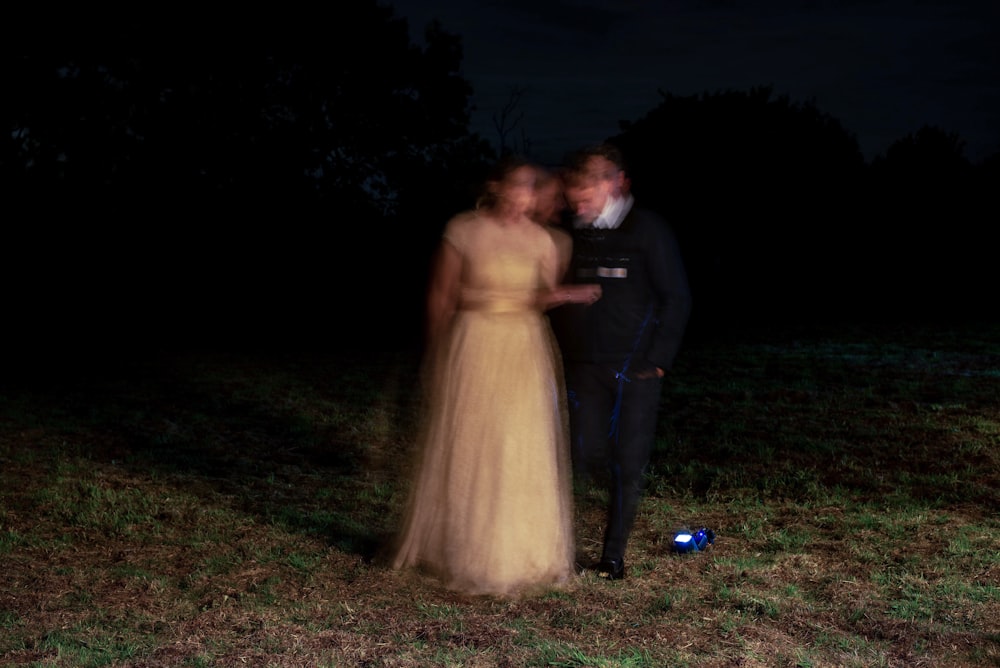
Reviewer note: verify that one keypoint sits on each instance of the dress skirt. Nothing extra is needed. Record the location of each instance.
(490, 508)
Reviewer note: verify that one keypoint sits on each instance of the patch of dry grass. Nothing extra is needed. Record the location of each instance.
(228, 510)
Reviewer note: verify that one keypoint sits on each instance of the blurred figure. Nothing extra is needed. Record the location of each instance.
(550, 198)
(617, 352)
(550, 212)
(490, 510)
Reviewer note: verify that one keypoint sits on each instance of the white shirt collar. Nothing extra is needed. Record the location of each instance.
(615, 210)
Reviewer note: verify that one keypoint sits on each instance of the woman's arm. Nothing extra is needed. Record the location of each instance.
(442, 294)
(556, 293)
(569, 293)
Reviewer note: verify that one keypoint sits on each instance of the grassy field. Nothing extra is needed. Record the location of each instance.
(224, 510)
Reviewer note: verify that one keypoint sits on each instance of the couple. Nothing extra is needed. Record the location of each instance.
(490, 511)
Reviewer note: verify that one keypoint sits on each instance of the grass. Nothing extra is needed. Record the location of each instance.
(187, 509)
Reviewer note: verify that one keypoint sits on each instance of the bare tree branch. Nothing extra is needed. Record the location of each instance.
(504, 121)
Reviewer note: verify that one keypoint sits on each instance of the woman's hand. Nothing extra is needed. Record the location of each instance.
(583, 293)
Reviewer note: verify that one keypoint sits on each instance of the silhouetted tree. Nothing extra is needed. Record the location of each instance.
(931, 153)
(316, 110)
(507, 119)
(231, 169)
(761, 191)
(930, 211)
(991, 165)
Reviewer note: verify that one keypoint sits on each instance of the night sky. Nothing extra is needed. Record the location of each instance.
(883, 68)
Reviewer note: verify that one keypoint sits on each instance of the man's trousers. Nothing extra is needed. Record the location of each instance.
(613, 419)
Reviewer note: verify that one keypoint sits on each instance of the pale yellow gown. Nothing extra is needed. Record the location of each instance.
(490, 509)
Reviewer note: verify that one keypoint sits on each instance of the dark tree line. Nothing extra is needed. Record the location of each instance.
(782, 220)
(285, 185)
(184, 179)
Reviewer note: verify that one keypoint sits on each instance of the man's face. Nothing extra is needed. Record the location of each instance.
(590, 190)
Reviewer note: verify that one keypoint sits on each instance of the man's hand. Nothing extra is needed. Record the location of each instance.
(651, 372)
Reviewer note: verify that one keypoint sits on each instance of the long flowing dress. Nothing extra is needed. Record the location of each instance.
(490, 508)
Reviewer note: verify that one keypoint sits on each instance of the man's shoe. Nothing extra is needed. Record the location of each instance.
(611, 569)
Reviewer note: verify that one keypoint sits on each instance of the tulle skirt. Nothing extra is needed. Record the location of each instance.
(490, 509)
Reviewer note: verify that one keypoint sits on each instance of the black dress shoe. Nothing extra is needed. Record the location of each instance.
(611, 569)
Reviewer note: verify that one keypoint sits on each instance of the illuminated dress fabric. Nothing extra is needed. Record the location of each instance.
(490, 511)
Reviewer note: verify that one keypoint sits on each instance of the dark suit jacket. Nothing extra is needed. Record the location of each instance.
(639, 320)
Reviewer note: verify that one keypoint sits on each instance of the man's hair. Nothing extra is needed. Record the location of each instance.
(577, 161)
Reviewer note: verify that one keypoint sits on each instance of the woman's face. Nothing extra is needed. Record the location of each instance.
(517, 190)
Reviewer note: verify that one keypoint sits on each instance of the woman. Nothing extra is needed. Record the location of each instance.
(490, 510)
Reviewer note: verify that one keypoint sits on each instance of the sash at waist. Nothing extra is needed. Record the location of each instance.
(498, 305)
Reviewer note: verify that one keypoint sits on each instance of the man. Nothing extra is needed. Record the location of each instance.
(617, 351)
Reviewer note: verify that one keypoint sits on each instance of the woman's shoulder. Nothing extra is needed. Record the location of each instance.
(466, 217)
(460, 226)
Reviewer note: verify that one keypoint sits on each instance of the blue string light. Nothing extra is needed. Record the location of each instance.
(622, 376)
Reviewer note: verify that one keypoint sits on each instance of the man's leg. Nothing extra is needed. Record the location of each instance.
(631, 448)
(590, 405)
